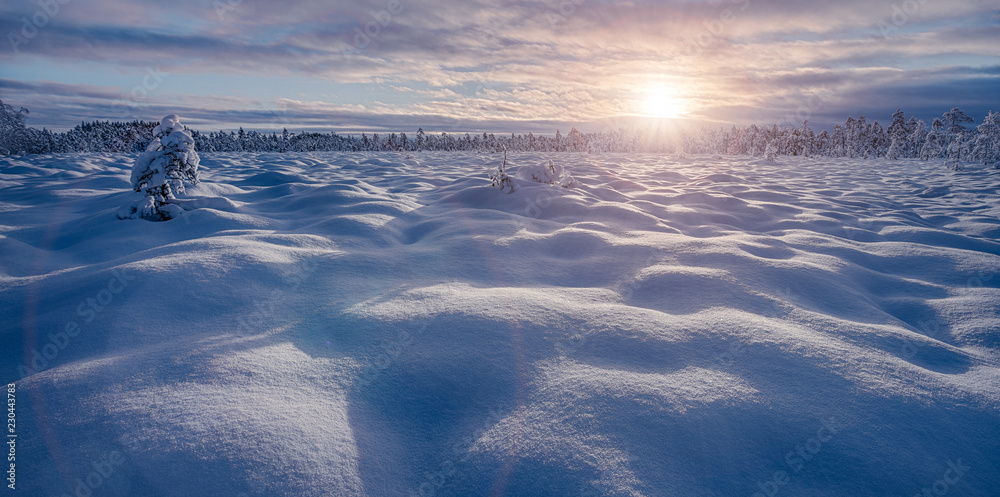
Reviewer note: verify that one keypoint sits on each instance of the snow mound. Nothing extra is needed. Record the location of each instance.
(549, 173)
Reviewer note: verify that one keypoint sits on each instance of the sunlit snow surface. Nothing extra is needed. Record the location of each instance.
(389, 325)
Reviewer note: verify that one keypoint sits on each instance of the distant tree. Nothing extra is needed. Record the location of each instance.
(822, 143)
(956, 153)
(987, 146)
(808, 139)
(895, 149)
(954, 121)
(838, 141)
(576, 140)
(898, 133)
(878, 141)
(918, 135)
(12, 129)
(771, 152)
(934, 144)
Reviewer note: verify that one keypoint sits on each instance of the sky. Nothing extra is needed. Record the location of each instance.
(503, 66)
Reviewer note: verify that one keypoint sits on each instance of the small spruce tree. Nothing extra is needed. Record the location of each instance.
(160, 172)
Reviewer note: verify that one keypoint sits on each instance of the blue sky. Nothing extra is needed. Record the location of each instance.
(518, 66)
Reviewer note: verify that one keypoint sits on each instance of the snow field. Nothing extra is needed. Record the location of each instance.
(389, 324)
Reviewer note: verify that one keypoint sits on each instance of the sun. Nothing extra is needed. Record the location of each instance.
(662, 102)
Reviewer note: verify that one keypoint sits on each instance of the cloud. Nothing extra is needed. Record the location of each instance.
(454, 62)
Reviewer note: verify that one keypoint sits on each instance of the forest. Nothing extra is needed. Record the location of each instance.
(954, 137)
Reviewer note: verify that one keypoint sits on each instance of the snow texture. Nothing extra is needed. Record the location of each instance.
(382, 324)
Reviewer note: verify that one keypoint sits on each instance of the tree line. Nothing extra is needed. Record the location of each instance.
(953, 137)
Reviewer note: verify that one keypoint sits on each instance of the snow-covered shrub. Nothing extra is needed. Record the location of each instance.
(160, 172)
(500, 178)
(550, 174)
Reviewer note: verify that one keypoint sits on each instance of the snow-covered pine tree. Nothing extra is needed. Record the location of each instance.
(897, 135)
(771, 152)
(955, 155)
(895, 149)
(838, 141)
(934, 144)
(918, 135)
(878, 141)
(12, 129)
(987, 148)
(954, 121)
(808, 139)
(160, 172)
(576, 140)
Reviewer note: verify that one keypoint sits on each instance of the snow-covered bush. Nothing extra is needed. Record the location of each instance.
(500, 178)
(160, 172)
(547, 174)
(550, 174)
